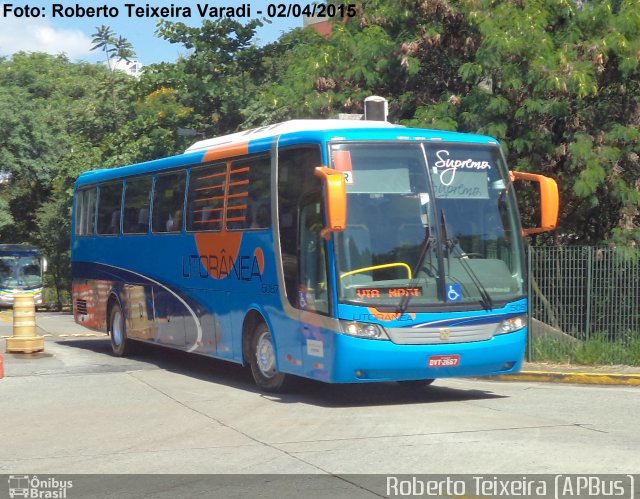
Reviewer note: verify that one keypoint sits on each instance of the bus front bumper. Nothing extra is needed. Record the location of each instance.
(363, 360)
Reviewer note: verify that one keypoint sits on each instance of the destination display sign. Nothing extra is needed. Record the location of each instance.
(396, 292)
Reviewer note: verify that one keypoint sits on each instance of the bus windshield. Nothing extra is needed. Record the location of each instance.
(20, 272)
(429, 223)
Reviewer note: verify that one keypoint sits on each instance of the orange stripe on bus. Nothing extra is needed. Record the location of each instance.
(213, 220)
(240, 170)
(207, 210)
(239, 182)
(208, 199)
(221, 174)
(226, 151)
(239, 195)
(219, 186)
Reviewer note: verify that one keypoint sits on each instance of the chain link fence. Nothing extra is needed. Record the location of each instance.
(585, 304)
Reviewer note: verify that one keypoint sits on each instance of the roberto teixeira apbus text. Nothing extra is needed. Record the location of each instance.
(540, 486)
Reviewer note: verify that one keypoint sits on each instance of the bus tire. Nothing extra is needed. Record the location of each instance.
(263, 360)
(120, 344)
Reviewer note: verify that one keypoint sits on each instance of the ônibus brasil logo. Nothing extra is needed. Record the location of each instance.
(37, 488)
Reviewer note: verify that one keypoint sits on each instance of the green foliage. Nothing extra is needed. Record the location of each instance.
(406, 51)
(559, 85)
(54, 223)
(597, 350)
(219, 77)
(6, 219)
(55, 117)
(440, 116)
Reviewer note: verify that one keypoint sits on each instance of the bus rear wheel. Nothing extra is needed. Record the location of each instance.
(263, 361)
(120, 344)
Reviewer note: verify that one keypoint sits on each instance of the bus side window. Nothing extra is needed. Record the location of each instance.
(109, 203)
(205, 198)
(85, 211)
(137, 199)
(249, 193)
(168, 200)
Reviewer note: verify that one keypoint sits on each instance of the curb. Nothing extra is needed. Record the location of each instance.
(572, 377)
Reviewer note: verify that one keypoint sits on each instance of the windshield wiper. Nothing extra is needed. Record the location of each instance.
(485, 299)
(424, 249)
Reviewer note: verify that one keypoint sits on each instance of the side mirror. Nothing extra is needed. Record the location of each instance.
(335, 191)
(549, 201)
(45, 264)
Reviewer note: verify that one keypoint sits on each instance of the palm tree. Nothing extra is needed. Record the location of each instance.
(123, 49)
(103, 39)
(113, 47)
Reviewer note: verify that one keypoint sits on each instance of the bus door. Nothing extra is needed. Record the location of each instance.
(303, 253)
(312, 259)
(313, 286)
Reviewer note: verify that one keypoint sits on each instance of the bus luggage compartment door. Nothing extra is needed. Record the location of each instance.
(140, 313)
(171, 317)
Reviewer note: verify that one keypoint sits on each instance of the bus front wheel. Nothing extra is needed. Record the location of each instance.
(120, 344)
(263, 361)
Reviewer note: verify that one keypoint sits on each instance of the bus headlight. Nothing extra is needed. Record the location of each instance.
(363, 330)
(512, 324)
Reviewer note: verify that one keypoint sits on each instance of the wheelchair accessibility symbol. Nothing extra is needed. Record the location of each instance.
(454, 292)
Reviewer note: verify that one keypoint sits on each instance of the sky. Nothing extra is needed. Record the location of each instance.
(58, 26)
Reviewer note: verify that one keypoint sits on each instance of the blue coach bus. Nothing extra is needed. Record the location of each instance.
(21, 268)
(342, 251)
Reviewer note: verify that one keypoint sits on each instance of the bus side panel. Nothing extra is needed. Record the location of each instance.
(90, 302)
(176, 295)
(252, 284)
(318, 352)
(285, 332)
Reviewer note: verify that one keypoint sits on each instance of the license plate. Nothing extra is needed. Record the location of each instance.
(443, 360)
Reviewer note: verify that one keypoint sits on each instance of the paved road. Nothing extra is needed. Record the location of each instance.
(77, 409)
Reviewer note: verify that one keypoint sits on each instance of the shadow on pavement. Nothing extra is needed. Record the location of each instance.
(299, 390)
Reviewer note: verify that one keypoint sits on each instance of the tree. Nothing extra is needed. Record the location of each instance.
(54, 123)
(6, 219)
(103, 39)
(123, 49)
(558, 83)
(117, 48)
(220, 75)
(407, 51)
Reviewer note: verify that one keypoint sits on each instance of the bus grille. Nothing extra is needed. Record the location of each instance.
(441, 335)
(81, 307)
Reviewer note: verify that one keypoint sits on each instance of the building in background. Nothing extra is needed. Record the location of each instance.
(131, 67)
(321, 24)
